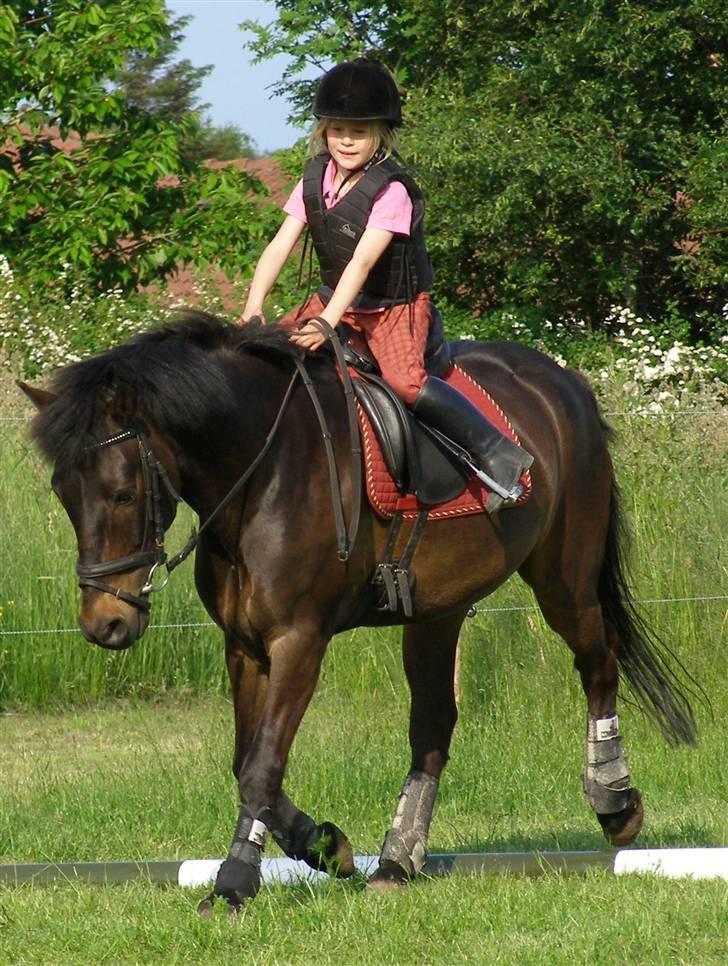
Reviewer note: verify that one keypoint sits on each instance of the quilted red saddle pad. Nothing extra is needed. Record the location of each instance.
(381, 488)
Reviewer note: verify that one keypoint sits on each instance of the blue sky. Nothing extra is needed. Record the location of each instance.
(236, 89)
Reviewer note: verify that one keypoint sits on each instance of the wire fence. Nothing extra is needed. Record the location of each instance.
(624, 413)
(475, 610)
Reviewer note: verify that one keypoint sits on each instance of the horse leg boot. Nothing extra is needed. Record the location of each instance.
(493, 454)
(429, 651)
(405, 845)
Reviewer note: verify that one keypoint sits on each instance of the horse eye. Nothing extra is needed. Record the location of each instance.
(124, 498)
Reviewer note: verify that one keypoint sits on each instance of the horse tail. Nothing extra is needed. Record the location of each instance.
(642, 657)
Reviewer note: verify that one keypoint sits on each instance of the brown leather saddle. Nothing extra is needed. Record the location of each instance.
(418, 459)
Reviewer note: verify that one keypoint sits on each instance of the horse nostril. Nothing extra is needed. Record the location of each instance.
(115, 634)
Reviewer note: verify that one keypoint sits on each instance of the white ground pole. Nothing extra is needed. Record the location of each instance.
(703, 863)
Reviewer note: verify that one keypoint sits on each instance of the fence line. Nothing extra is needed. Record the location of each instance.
(477, 610)
(636, 413)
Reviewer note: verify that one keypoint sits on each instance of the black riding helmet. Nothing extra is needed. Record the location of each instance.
(358, 90)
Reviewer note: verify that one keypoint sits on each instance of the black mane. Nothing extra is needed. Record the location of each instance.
(174, 375)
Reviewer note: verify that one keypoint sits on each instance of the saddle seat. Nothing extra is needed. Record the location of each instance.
(416, 457)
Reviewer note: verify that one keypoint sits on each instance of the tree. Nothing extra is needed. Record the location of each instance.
(571, 151)
(221, 142)
(121, 203)
(160, 85)
(154, 82)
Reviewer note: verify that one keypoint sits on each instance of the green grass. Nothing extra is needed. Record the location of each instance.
(90, 771)
(140, 780)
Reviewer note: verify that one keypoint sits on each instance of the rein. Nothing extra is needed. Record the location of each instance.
(153, 474)
(345, 539)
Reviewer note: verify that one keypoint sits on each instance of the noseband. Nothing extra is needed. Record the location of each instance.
(152, 473)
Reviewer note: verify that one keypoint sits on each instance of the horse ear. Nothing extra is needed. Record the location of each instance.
(39, 397)
(119, 403)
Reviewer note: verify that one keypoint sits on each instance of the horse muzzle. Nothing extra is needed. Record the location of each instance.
(115, 631)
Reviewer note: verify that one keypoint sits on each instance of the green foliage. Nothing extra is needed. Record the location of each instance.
(155, 83)
(222, 143)
(573, 154)
(125, 205)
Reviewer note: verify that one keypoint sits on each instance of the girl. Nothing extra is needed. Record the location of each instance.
(365, 216)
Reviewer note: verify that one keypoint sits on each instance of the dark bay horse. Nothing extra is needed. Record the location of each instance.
(187, 409)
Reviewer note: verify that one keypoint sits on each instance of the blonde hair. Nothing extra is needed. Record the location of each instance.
(385, 137)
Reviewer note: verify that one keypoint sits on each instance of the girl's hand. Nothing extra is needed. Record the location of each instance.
(309, 336)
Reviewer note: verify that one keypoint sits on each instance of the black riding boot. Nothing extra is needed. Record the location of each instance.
(450, 413)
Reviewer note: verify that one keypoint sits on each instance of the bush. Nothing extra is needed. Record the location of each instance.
(65, 324)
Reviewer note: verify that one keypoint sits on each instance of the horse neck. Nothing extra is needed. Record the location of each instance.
(212, 458)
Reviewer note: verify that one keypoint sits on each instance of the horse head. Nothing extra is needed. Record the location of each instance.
(117, 483)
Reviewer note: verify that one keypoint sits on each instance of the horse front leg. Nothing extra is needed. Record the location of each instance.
(323, 846)
(270, 703)
(429, 661)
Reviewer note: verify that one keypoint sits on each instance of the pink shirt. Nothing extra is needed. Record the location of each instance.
(391, 211)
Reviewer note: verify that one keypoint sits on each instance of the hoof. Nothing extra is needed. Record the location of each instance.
(389, 876)
(622, 828)
(332, 852)
(204, 909)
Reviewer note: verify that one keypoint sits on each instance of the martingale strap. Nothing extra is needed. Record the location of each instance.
(233, 492)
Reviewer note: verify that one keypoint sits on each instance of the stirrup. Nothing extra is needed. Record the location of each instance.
(507, 497)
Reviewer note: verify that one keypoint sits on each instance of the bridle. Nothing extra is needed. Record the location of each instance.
(154, 476)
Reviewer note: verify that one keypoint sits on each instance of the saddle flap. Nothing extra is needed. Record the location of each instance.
(387, 425)
(417, 461)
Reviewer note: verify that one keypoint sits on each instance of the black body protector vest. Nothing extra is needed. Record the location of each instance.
(404, 269)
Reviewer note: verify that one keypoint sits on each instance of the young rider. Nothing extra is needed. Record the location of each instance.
(365, 216)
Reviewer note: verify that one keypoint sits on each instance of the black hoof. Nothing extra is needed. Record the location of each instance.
(389, 875)
(204, 909)
(622, 828)
(332, 852)
(236, 881)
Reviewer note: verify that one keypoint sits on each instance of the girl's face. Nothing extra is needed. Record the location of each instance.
(350, 143)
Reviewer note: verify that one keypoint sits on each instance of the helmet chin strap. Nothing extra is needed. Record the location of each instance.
(375, 159)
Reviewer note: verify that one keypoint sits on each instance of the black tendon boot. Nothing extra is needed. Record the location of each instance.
(493, 454)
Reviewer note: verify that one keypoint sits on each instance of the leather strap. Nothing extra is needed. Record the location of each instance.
(345, 539)
(233, 492)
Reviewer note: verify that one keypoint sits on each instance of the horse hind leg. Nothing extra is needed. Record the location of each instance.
(576, 615)
(429, 662)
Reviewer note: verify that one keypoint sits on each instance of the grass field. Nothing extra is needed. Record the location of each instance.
(109, 757)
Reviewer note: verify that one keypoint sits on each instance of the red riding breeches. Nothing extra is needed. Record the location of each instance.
(396, 337)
